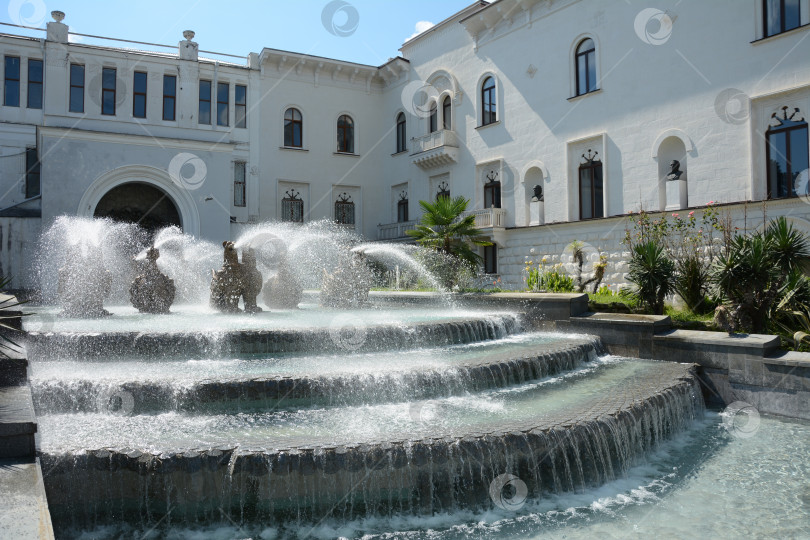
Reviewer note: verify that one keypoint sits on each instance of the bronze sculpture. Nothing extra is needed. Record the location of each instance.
(152, 291)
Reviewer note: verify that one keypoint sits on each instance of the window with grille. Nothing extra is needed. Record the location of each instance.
(344, 209)
(292, 207)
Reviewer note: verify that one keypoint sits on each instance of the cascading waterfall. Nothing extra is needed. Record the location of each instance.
(296, 415)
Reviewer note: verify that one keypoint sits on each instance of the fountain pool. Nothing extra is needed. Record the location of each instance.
(440, 421)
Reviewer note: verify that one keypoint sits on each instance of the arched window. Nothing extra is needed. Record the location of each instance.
(345, 134)
(591, 203)
(401, 133)
(447, 119)
(293, 128)
(787, 155)
(292, 207)
(489, 115)
(434, 118)
(586, 67)
(344, 209)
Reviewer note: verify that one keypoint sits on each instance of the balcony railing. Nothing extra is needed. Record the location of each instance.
(444, 137)
(435, 149)
(488, 218)
(394, 231)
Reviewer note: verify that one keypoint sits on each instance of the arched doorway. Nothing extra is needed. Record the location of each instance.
(141, 203)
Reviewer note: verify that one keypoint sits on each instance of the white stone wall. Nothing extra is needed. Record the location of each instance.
(607, 236)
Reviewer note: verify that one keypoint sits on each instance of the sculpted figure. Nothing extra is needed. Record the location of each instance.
(227, 282)
(251, 281)
(151, 291)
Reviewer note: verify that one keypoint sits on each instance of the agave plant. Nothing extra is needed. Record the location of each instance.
(653, 275)
(7, 303)
(757, 272)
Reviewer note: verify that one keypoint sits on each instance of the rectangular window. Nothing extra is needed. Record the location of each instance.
(222, 104)
(240, 106)
(492, 195)
(11, 87)
(34, 84)
(76, 88)
(239, 183)
(491, 259)
(781, 15)
(204, 116)
(590, 191)
(169, 96)
(31, 173)
(108, 91)
(402, 210)
(139, 95)
(787, 157)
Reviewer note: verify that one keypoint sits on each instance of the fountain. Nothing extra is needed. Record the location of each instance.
(282, 290)
(348, 285)
(347, 408)
(84, 284)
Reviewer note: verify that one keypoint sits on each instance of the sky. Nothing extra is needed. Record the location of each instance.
(364, 31)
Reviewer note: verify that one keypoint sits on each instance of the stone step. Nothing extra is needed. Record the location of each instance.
(25, 511)
(18, 425)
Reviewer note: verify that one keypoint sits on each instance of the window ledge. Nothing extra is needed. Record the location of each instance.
(780, 34)
(400, 153)
(592, 92)
(346, 154)
(484, 126)
(294, 148)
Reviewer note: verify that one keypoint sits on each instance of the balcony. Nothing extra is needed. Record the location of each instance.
(435, 149)
(488, 218)
(395, 231)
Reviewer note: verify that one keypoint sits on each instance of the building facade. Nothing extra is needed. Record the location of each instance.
(556, 119)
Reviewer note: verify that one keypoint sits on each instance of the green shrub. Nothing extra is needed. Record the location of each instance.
(555, 281)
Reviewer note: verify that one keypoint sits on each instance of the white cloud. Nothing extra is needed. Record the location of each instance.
(421, 26)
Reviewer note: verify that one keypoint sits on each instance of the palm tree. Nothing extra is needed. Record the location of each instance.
(443, 229)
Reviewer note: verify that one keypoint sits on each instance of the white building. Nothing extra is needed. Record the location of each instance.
(589, 100)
